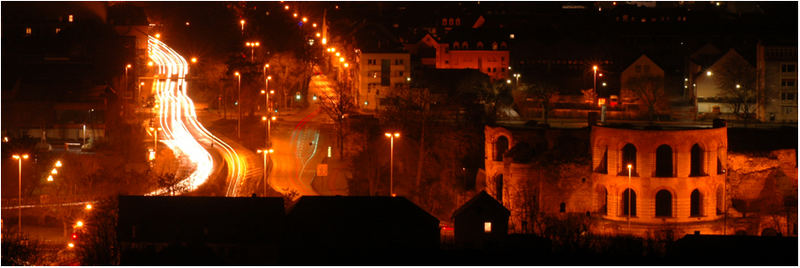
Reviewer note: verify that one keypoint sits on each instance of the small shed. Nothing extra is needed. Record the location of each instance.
(481, 221)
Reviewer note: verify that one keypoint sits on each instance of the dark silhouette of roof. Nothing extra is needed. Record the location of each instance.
(169, 219)
(483, 201)
(360, 222)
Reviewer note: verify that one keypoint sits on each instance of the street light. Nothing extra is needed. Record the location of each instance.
(391, 137)
(19, 159)
(242, 23)
(194, 59)
(630, 167)
(88, 206)
(266, 87)
(269, 127)
(252, 46)
(239, 105)
(594, 80)
(155, 138)
(58, 163)
(266, 153)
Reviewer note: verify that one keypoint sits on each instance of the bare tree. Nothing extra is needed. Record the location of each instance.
(337, 105)
(737, 81)
(288, 74)
(649, 90)
(544, 94)
(171, 183)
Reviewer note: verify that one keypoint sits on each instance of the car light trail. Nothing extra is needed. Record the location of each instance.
(183, 133)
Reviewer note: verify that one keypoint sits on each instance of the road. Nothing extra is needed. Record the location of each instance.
(301, 143)
(184, 134)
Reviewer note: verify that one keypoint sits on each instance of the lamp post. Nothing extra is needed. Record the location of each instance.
(128, 66)
(266, 90)
(239, 105)
(252, 46)
(155, 138)
(19, 208)
(391, 137)
(594, 80)
(266, 153)
(84, 135)
(242, 23)
(630, 167)
(269, 120)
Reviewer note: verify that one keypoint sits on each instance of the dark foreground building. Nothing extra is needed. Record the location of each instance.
(480, 222)
(161, 230)
(360, 230)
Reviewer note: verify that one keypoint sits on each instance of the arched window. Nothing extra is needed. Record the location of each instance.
(479, 45)
(663, 204)
(500, 148)
(455, 45)
(494, 45)
(696, 208)
(603, 166)
(465, 45)
(720, 201)
(562, 207)
(628, 158)
(444, 21)
(503, 45)
(498, 184)
(664, 161)
(458, 21)
(628, 203)
(602, 200)
(450, 22)
(697, 161)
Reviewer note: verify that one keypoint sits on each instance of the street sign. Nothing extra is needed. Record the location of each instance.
(322, 170)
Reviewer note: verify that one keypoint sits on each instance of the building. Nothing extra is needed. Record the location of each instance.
(378, 73)
(654, 182)
(356, 229)
(481, 49)
(480, 222)
(713, 100)
(642, 82)
(162, 230)
(776, 67)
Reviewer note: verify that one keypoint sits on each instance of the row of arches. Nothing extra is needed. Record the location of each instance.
(664, 164)
(663, 203)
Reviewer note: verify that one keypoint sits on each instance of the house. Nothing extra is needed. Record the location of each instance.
(776, 67)
(357, 229)
(380, 71)
(643, 82)
(710, 97)
(480, 221)
(482, 49)
(162, 230)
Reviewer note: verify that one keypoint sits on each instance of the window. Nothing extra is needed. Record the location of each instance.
(444, 21)
(372, 62)
(28, 31)
(450, 22)
(788, 68)
(719, 201)
(638, 68)
(696, 161)
(58, 30)
(788, 110)
(465, 45)
(373, 74)
(664, 161)
(562, 207)
(696, 208)
(787, 96)
(663, 204)
(487, 227)
(400, 73)
(494, 70)
(503, 45)
(602, 200)
(628, 203)
(70, 18)
(628, 158)
(479, 45)
(787, 83)
(488, 70)
(602, 168)
(455, 45)
(399, 85)
(458, 21)
(500, 148)
(398, 62)
(372, 86)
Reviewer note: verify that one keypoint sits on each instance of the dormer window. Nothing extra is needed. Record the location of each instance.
(455, 45)
(458, 21)
(465, 45)
(450, 22)
(503, 45)
(28, 31)
(444, 21)
(479, 45)
(494, 45)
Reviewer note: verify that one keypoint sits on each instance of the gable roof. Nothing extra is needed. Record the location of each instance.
(642, 59)
(706, 55)
(484, 200)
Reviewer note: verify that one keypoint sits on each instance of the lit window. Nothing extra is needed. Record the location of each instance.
(58, 30)
(70, 18)
(28, 31)
(487, 227)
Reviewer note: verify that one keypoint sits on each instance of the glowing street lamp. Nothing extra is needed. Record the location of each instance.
(266, 153)
(305, 19)
(54, 171)
(88, 207)
(391, 137)
(58, 163)
(79, 224)
(158, 35)
(194, 59)
(239, 105)
(19, 159)
(269, 127)
(50, 178)
(286, 7)
(242, 23)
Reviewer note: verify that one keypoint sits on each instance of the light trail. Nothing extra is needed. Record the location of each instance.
(183, 133)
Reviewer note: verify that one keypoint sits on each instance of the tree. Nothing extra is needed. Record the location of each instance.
(337, 105)
(737, 81)
(289, 74)
(649, 90)
(544, 94)
(171, 184)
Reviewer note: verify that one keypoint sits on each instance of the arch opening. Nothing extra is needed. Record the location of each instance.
(663, 204)
(664, 161)
(628, 203)
(696, 206)
(500, 148)
(697, 168)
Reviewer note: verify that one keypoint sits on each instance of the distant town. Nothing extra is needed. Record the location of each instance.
(399, 133)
